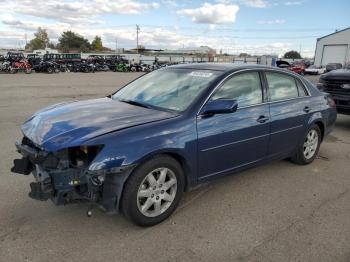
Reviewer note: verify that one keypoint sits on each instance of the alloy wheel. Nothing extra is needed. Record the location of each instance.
(157, 192)
(310, 144)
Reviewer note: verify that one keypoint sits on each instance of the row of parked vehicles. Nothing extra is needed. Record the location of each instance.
(15, 62)
(304, 67)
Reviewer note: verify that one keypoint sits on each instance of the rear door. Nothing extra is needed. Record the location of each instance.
(290, 108)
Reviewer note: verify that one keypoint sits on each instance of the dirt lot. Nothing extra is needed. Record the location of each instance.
(277, 212)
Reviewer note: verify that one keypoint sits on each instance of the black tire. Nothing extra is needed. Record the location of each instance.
(49, 70)
(299, 157)
(129, 201)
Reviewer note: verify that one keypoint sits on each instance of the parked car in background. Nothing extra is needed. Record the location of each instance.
(282, 64)
(315, 70)
(333, 66)
(337, 83)
(140, 148)
(296, 67)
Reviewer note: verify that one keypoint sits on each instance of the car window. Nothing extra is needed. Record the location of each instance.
(281, 86)
(245, 88)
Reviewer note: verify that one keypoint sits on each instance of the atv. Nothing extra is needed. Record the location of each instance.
(47, 67)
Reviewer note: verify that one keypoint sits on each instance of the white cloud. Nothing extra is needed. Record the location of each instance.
(75, 11)
(155, 38)
(249, 3)
(255, 3)
(272, 22)
(293, 2)
(212, 13)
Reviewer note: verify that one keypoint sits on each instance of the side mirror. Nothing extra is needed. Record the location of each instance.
(220, 106)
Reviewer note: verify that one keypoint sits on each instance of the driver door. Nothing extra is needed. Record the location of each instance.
(227, 142)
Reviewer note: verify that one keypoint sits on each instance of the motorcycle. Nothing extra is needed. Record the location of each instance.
(6, 67)
(122, 67)
(83, 67)
(21, 65)
(101, 67)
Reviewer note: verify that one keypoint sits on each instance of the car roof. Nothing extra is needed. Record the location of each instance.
(227, 67)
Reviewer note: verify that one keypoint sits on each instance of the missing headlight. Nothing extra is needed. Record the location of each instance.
(82, 156)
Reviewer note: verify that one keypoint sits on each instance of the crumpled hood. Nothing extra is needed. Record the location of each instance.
(70, 124)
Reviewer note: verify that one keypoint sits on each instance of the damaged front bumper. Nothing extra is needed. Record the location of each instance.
(64, 184)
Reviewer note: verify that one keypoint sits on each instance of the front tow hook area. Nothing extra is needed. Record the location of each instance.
(37, 192)
(22, 166)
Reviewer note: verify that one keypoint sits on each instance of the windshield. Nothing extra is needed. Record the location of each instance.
(169, 89)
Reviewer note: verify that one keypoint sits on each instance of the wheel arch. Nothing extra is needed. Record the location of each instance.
(316, 119)
(320, 124)
(171, 153)
(175, 154)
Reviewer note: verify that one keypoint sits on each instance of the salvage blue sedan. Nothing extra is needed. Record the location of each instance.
(140, 148)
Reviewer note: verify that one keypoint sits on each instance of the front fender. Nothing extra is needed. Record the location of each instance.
(130, 147)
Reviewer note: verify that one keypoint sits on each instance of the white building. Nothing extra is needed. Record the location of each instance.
(45, 51)
(333, 48)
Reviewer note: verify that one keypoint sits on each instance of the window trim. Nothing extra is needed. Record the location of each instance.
(266, 94)
(299, 83)
(228, 77)
(296, 80)
(261, 87)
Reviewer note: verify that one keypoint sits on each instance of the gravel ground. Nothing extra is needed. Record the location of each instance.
(276, 212)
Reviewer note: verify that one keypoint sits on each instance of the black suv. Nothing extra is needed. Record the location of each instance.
(337, 83)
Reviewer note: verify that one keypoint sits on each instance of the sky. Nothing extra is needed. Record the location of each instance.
(233, 26)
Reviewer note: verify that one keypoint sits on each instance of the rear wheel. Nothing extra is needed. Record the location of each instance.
(153, 191)
(307, 152)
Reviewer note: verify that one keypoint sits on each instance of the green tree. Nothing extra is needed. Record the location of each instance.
(73, 41)
(96, 44)
(292, 55)
(40, 41)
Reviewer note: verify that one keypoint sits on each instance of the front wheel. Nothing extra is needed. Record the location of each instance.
(307, 152)
(153, 191)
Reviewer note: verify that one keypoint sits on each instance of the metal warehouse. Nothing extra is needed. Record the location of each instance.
(333, 48)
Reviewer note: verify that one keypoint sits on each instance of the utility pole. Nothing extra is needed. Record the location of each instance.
(137, 37)
(116, 46)
(25, 39)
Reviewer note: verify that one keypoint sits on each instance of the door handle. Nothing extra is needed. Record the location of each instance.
(307, 109)
(262, 119)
